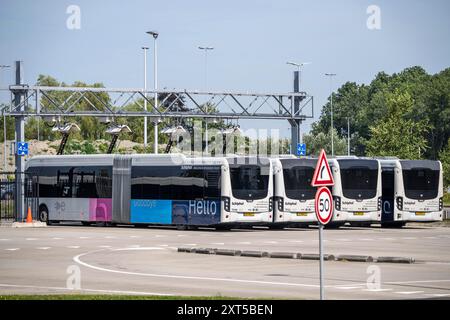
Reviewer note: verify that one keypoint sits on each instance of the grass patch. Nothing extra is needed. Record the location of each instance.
(109, 297)
(446, 199)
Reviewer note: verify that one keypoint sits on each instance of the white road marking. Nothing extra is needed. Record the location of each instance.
(190, 244)
(408, 292)
(134, 236)
(181, 235)
(30, 239)
(159, 236)
(57, 238)
(438, 295)
(409, 238)
(85, 237)
(416, 281)
(110, 237)
(43, 248)
(86, 290)
(342, 239)
(104, 246)
(347, 288)
(430, 237)
(78, 260)
(137, 248)
(163, 245)
(73, 247)
(218, 243)
(12, 249)
(377, 290)
(366, 239)
(4, 239)
(296, 241)
(271, 242)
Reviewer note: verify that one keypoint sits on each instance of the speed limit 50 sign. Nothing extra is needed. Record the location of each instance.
(324, 205)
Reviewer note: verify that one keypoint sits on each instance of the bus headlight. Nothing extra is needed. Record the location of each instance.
(226, 203)
(399, 201)
(441, 204)
(280, 204)
(337, 203)
(379, 203)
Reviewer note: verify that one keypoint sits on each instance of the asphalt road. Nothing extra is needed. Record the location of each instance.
(128, 260)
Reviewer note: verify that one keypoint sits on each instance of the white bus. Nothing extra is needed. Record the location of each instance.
(294, 195)
(167, 189)
(356, 191)
(412, 191)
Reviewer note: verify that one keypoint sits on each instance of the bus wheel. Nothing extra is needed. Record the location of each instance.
(43, 215)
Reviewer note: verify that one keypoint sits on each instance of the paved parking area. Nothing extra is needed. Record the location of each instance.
(130, 260)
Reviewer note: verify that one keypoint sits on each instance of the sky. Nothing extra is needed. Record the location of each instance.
(252, 42)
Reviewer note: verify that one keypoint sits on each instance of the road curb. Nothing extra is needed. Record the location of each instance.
(283, 255)
(228, 252)
(34, 224)
(354, 258)
(395, 260)
(315, 256)
(205, 250)
(254, 254)
(187, 250)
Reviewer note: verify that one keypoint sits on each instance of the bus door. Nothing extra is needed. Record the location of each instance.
(387, 197)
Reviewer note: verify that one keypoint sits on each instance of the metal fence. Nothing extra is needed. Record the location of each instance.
(29, 185)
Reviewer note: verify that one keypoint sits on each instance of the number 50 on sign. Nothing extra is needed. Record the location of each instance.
(324, 205)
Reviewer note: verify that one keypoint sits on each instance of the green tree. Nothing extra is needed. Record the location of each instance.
(444, 157)
(316, 142)
(395, 134)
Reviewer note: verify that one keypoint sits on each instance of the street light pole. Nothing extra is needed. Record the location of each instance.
(145, 95)
(155, 75)
(348, 135)
(4, 128)
(205, 49)
(331, 75)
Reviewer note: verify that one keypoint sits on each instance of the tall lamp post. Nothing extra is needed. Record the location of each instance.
(206, 49)
(297, 82)
(145, 95)
(155, 75)
(331, 75)
(4, 128)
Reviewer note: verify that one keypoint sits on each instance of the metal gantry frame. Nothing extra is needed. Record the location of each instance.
(43, 101)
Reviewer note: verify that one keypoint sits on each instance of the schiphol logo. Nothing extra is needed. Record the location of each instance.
(203, 207)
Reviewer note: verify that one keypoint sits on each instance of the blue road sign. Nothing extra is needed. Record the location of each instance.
(301, 149)
(22, 148)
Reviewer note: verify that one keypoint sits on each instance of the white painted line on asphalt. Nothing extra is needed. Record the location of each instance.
(110, 237)
(347, 288)
(296, 241)
(137, 248)
(341, 239)
(159, 236)
(409, 238)
(4, 239)
(377, 290)
(408, 292)
(86, 290)
(438, 295)
(73, 247)
(218, 243)
(163, 245)
(416, 281)
(271, 242)
(181, 235)
(104, 246)
(78, 260)
(30, 239)
(12, 249)
(85, 237)
(43, 248)
(365, 239)
(134, 236)
(57, 238)
(430, 237)
(190, 244)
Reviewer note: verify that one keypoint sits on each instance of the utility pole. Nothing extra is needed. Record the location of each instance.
(155, 79)
(20, 137)
(145, 95)
(331, 75)
(205, 49)
(4, 128)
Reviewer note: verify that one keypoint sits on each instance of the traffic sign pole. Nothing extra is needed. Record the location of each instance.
(322, 291)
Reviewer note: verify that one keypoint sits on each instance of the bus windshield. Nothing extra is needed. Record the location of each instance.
(297, 182)
(359, 181)
(248, 183)
(421, 183)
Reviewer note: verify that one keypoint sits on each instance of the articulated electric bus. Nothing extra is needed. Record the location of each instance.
(167, 189)
(293, 195)
(412, 191)
(356, 191)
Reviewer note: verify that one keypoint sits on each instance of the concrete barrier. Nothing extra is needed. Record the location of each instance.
(315, 256)
(254, 254)
(228, 252)
(395, 260)
(354, 258)
(283, 255)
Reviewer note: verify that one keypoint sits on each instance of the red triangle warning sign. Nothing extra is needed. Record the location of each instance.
(322, 174)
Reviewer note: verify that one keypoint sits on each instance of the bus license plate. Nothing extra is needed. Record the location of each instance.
(420, 213)
(358, 213)
(302, 214)
(248, 214)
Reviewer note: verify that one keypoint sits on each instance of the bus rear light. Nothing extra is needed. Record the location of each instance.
(379, 203)
(280, 203)
(270, 203)
(441, 204)
(399, 202)
(337, 203)
(226, 203)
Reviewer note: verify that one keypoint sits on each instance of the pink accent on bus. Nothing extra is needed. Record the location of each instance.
(100, 209)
